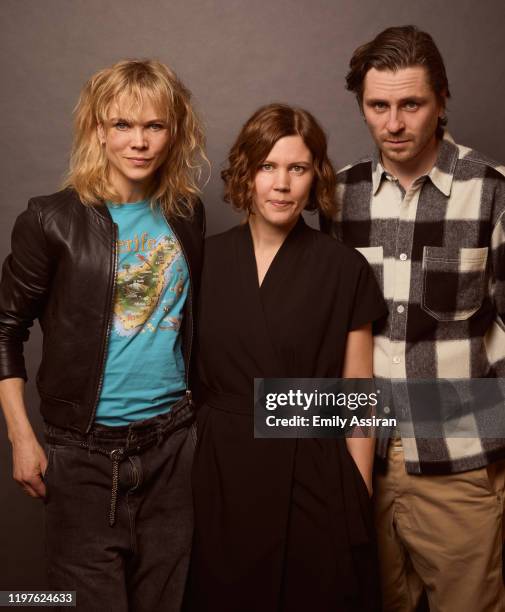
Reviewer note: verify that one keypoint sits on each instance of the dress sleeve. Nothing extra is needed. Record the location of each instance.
(368, 303)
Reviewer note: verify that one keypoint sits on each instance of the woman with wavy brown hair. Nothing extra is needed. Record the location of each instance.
(110, 266)
(280, 524)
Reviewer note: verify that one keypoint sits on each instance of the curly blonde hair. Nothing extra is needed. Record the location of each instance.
(255, 141)
(131, 82)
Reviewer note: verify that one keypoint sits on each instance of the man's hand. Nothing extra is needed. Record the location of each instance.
(29, 466)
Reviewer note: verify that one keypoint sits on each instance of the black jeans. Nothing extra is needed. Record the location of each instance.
(119, 515)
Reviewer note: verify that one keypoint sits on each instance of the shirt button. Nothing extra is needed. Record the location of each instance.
(396, 359)
(403, 256)
(400, 308)
(386, 410)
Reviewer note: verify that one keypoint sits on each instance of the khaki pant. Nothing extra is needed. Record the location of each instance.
(443, 534)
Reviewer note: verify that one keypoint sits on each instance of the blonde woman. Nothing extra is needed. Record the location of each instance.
(110, 266)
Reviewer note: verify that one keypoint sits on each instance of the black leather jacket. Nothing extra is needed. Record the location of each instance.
(62, 271)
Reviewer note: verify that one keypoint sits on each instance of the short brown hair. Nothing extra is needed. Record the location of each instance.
(396, 48)
(256, 139)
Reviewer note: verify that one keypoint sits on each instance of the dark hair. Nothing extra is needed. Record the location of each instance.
(396, 48)
(255, 141)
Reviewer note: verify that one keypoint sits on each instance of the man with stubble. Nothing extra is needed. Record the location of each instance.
(429, 215)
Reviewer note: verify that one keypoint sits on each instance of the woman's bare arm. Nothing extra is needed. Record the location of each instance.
(28, 457)
(358, 363)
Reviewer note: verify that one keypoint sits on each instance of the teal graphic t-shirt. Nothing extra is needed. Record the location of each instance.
(144, 370)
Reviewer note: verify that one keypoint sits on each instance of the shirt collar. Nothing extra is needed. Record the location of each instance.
(377, 171)
(441, 175)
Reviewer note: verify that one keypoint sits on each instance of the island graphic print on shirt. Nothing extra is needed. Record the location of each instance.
(145, 373)
(150, 275)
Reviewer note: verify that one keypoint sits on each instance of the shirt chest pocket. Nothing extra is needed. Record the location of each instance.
(453, 282)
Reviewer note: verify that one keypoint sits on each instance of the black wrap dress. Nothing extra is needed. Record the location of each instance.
(279, 524)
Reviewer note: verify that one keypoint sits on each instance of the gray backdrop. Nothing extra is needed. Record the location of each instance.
(234, 56)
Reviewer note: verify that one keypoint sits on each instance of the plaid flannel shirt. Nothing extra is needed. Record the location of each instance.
(438, 252)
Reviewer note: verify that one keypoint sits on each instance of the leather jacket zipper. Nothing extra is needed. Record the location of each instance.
(190, 309)
(110, 309)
